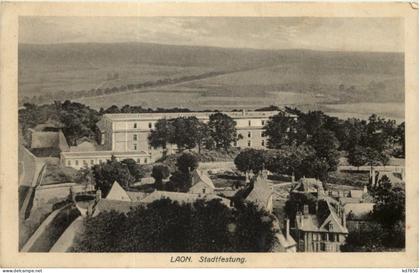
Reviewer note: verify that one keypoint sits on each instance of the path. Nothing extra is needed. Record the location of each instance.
(27, 247)
(26, 205)
(66, 240)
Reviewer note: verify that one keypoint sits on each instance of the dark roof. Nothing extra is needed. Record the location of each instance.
(115, 205)
(310, 185)
(260, 193)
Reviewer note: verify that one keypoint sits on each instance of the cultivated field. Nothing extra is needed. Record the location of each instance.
(336, 82)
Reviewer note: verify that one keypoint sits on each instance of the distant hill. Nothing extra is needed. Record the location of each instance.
(325, 75)
(158, 54)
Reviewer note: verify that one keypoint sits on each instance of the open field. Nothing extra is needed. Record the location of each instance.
(338, 82)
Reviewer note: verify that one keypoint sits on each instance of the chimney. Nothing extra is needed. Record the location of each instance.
(98, 195)
(365, 189)
(305, 210)
(287, 228)
(372, 176)
(343, 215)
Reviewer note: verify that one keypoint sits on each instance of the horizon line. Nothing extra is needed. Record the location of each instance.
(210, 46)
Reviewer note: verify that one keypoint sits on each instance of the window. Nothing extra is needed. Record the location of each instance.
(262, 122)
(249, 134)
(77, 162)
(263, 143)
(249, 143)
(134, 137)
(145, 160)
(249, 123)
(324, 236)
(204, 190)
(138, 160)
(331, 237)
(100, 161)
(92, 162)
(135, 125)
(84, 162)
(69, 162)
(135, 146)
(262, 134)
(150, 125)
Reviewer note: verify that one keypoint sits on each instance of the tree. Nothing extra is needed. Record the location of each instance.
(79, 121)
(222, 130)
(179, 182)
(162, 134)
(250, 160)
(106, 174)
(389, 206)
(160, 172)
(168, 226)
(326, 144)
(357, 156)
(281, 130)
(134, 168)
(187, 162)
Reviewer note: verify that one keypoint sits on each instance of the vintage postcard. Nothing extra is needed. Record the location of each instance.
(209, 135)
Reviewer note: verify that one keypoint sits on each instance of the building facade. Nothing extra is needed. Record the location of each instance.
(126, 135)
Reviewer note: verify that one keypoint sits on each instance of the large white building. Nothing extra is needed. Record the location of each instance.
(126, 135)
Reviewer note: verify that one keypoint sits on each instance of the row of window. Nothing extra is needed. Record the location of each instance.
(262, 122)
(250, 143)
(150, 125)
(92, 162)
(135, 147)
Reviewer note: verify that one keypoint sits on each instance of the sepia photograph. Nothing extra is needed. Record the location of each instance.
(212, 134)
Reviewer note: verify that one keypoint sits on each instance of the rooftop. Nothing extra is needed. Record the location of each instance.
(199, 115)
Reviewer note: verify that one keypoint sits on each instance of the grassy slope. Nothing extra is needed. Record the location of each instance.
(260, 74)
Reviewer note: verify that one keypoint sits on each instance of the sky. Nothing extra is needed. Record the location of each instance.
(340, 34)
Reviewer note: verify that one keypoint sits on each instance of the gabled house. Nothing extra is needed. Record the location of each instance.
(201, 183)
(324, 231)
(117, 193)
(261, 193)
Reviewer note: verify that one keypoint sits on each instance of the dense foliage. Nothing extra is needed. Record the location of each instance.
(124, 172)
(167, 226)
(386, 229)
(181, 179)
(160, 172)
(77, 120)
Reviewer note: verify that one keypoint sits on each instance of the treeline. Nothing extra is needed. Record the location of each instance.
(168, 226)
(381, 138)
(76, 120)
(189, 132)
(386, 229)
(310, 144)
(94, 92)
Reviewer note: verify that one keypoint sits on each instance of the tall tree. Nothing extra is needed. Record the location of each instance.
(160, 172)
(223, 130)
(250, 160)
(279, 131)
(106, 174)
(162, 134)
(326, 146)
